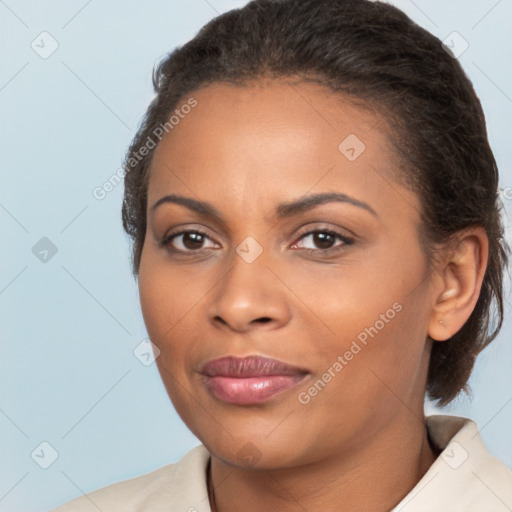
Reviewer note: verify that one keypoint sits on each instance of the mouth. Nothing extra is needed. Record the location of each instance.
(250, 380)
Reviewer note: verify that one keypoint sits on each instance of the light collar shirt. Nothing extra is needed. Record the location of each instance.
(464, 478)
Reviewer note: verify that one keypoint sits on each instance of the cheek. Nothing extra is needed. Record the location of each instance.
(361, 385)
(377, 316)
(162, 306)
(156, 303)
(166, 303)
(167, 297)
(355, 301)
(172, 301)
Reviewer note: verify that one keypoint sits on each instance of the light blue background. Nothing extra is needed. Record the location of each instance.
(68, 374)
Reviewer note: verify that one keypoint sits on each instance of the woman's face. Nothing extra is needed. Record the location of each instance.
(346, 308)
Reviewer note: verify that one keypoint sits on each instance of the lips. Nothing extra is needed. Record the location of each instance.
(250, 380)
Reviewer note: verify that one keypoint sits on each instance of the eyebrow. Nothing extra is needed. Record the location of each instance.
(283, 210)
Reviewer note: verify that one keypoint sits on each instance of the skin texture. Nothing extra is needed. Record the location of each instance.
(360, 442)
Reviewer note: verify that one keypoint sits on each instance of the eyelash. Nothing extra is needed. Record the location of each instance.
(165, 242)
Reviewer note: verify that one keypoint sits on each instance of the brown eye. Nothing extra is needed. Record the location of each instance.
(324, 240)
(186, 241)
(192, 240)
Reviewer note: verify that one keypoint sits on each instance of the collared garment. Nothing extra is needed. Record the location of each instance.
(464, 478)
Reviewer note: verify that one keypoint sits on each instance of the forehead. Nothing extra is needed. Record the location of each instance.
(273, 140)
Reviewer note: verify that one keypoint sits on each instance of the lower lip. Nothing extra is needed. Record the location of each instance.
(251, 390)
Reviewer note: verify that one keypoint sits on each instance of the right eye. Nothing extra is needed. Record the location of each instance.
(188, 241)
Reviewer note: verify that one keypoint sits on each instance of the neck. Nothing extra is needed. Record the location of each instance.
(376, 476)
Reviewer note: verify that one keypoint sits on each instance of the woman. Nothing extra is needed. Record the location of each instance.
(317, 238)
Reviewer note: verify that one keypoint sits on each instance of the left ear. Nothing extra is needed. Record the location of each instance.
(460, 281)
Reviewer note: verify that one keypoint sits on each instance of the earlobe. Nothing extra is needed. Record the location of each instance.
(460, 282)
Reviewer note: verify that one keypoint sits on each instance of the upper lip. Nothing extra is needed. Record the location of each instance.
(250, 366)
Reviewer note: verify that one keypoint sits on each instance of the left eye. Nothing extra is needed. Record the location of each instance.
(324, 239)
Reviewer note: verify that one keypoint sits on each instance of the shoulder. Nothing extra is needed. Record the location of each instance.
(176, 486)
(465, 477)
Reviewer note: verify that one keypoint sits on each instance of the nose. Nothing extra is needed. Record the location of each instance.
(249, 297)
